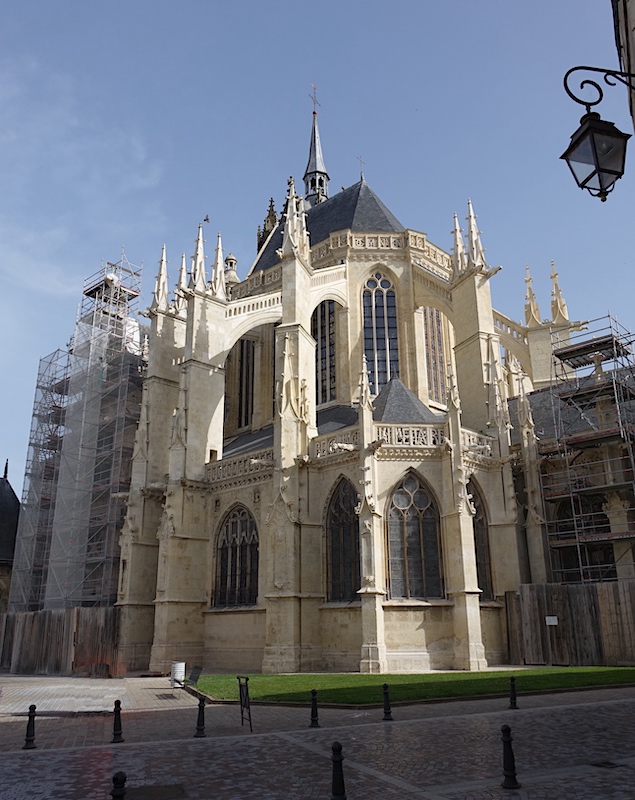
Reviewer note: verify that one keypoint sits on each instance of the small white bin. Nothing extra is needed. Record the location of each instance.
(178, 673)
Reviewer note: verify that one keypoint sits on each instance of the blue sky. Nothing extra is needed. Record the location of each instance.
(125, 123)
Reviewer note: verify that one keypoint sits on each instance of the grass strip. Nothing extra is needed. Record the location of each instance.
(356, 689)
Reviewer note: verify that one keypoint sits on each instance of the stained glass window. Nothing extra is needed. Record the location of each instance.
(342, 528)
(323, 331)
(237, 560)
(381, 349)
(414, 552)
(245, 382)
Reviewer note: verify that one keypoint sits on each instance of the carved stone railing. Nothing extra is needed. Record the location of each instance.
(250, 465)
(508, 326)
(261, 280)
(330, 443)
(433, 435)
(472, 439)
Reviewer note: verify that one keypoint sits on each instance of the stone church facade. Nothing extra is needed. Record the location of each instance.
(322, 475)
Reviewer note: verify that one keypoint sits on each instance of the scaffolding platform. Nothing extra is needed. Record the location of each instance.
(87, 406)
(588, 468)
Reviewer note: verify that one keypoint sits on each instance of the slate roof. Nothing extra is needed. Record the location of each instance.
(396, 403)
(328, 420)
(357, 208)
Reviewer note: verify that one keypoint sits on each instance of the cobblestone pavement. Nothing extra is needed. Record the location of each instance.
(570, 746)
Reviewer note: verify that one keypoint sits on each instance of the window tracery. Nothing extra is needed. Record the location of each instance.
(414, 550)
(323, 331)
(381, 349)
(237, 560)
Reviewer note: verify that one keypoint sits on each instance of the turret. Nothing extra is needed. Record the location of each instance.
(316, 179)
(231, 276)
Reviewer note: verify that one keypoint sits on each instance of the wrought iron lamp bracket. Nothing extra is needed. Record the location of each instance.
(610, 77)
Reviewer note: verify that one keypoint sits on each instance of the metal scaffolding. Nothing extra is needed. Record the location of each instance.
(587, 470)
(85, 414)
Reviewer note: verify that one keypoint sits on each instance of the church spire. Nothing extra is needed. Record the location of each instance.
(197, 278)
(316, 179)
(160, 294)
(458, 251)
(180, 292)
(532, 312)
(218, 274)
(559, 311)
(475, 251)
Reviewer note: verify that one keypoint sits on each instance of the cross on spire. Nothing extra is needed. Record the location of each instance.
(361, 166)
(313, 96)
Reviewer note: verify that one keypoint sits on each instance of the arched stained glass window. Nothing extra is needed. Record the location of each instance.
(414, 550)
(380, 331)
(342, 531)
(323, 331)
(481, 543)
(237, 560)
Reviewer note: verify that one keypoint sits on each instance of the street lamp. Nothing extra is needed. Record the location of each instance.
(597, 150)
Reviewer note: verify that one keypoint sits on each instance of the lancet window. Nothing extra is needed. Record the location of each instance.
(380, 331)
(237, 560)
(435, 354)
(323, 331)
(245, 382)
(414, 549)
(481, 543)
(342, 530)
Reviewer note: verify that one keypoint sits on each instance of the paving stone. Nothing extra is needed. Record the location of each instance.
(564, 745)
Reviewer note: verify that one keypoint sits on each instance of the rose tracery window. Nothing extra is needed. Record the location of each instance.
(237, 560)
(414, 550)
(380, 331)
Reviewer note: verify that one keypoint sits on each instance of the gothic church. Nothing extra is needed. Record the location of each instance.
(322, 476)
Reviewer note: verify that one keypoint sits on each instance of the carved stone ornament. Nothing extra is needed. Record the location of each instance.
(166, 526)
(281, 507)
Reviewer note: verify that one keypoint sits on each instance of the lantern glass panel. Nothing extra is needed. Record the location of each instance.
(581, 161)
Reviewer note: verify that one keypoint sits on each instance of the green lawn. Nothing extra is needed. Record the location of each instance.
(356, 689)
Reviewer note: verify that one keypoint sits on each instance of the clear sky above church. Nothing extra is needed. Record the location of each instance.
(128, 122)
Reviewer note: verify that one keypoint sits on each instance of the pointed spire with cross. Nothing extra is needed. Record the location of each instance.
(316, 178)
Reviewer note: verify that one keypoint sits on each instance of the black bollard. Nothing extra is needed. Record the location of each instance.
(116, 729)
(387, 711)
(509, 763)
(29, 741)
(338, 790)
(200, 722)
(118, 785)
(512, 693)
(314, 710)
